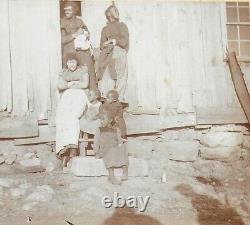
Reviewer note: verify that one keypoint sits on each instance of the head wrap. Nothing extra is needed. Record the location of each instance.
(73, 5)
(72, 55)
(114, 13)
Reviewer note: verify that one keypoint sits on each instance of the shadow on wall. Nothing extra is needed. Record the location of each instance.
(128, 216)
(209, 210)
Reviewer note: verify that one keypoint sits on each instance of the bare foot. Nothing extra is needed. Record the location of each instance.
(114, 181)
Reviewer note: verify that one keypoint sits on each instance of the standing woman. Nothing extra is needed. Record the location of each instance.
(73, 28)
(73, 82)
(112, 72)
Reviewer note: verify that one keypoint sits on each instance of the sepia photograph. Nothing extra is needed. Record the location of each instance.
(124, 112)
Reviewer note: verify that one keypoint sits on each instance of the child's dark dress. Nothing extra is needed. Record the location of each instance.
(106, 145)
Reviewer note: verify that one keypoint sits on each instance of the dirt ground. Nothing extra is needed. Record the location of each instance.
(199, 193)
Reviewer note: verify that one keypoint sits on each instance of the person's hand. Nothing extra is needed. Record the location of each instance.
(73, 84)
(110, 41)
(70, 83)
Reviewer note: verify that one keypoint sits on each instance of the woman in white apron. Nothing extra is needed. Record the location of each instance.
(73, 82)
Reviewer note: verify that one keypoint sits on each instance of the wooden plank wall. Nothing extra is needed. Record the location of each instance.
(35, 49)
(5, 66)
(175, 58)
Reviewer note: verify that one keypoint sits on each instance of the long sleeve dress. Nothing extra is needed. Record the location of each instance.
(69, 27)
(107, 145)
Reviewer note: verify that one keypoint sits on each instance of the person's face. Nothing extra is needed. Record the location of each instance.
(110, 17)
(72, 64)
(110, 98)
(68, 12)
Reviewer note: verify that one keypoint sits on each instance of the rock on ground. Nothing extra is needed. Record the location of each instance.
(30, 165)
(29, 155)
(17, 192)
(25, 185)
(175, 150)
(139, 148)
(42, 194)
(218, 153)
(29, 206)
(222, 139)
(5, 182)
(10, 159)
(89, 166)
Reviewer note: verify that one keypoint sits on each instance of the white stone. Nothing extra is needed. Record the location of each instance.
(89, 166)
(2, 160)
(17, 192)
(29, 206)
(182, 135)
(183, 151)
(6, 182)
(45, 188)
(10, 159)
(42, 194)
(139, 148)
(187, 135)
(218, 153)
(177, 150)
(49, 161)
(30, 165)
(222, 139)
(25, 186)
(29, 155)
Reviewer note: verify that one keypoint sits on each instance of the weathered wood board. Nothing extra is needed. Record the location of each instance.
(239, 84)
(18, 127)
(46, 134)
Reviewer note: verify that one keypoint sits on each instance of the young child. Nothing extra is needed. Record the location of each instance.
(109, 146)
(90, 120)
(115, 110)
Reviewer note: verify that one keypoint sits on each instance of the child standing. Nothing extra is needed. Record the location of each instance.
(115, 110)
(109, 146)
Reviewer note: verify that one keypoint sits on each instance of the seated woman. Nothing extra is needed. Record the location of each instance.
(73, 81)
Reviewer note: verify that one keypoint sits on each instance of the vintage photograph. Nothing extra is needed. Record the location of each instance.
(124, 112)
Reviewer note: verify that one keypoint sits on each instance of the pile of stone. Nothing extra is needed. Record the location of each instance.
(223, 142)
(27, 193)
(29, 159)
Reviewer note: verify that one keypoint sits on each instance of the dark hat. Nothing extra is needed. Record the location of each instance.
(114, 93)
(72, 55)
(115, 14)
(74, 6)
